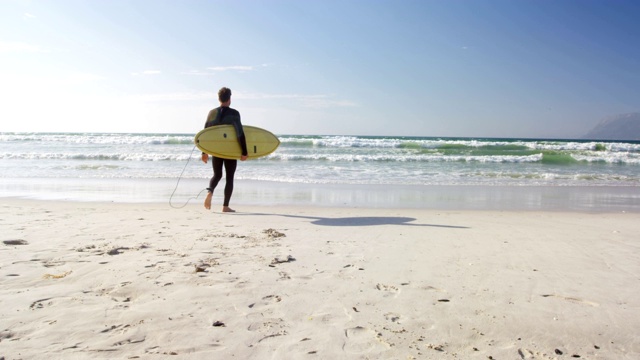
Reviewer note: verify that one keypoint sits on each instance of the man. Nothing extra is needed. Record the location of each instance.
(224, 115)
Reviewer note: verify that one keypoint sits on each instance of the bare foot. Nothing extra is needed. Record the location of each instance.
(227, 209)
(207, 201)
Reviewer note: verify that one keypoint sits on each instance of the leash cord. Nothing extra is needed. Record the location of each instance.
(178, 183)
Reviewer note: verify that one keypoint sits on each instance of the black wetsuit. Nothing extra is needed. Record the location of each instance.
(225, 116)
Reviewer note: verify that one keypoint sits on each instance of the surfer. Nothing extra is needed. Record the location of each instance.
(224, 115)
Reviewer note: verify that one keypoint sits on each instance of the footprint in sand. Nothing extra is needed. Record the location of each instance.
(117, 250)
(268, 325)
(272, 233)
(265, 301)
(526, 354)
(120, 293)
(387, 288)
(395, 326)
(393, 317)
(121, 328)
(53, 263)
(39, 304)
(7, 334)
(269, 328)
(432, 288)
(361, 340)
(135, 339)
(572, 299)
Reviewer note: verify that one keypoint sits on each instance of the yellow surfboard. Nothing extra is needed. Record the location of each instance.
(221, 141)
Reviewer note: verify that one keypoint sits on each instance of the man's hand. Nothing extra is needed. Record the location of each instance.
(205, 158)
(243, 157)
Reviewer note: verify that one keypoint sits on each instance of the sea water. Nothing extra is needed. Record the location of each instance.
(153, 167)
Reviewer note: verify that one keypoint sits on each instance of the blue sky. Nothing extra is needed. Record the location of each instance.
(513, 68)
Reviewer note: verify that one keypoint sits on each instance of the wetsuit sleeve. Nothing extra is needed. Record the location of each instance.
(241, 138)
(211, 118)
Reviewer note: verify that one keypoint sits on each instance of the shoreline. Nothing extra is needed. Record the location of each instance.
(266, 193)
(84, 279)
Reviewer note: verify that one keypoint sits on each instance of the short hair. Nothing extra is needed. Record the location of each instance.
(224, 94)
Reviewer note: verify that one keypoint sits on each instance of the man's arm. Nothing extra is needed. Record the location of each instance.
(243, 142)
(211, 117)
(237, 123)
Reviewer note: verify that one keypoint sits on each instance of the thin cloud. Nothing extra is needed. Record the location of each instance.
(85, 77)
(147, 72)
(28, 16)
(212, 70)
(232, 68)
(178, 96)
(309, 101)
(19, 47)
(327, 102)
(198, 73)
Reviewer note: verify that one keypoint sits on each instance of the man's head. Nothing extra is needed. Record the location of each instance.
(224, 95)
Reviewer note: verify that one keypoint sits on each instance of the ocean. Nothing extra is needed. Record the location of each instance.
(326, 170)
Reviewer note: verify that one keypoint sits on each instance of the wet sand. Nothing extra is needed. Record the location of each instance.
(265, 193)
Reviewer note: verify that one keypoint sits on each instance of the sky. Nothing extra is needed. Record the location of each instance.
(512, 68)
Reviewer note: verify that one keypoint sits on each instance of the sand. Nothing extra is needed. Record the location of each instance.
(136, 281)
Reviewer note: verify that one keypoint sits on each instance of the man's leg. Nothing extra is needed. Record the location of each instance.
(216, 163)
(229, 171)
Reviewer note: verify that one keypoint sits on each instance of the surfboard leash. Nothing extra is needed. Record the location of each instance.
(178, 183)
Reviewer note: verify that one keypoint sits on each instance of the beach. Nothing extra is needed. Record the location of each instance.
(414, 180)
(99, 279)
(343, 247)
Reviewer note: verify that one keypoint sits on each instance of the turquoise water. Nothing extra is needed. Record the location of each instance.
(331, 159)
(42, 159)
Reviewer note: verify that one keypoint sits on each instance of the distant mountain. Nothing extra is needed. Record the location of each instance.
(619, 127)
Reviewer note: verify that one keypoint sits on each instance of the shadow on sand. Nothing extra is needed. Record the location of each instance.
(359, 220)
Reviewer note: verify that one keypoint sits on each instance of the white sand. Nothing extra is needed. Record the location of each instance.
(94, 280)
